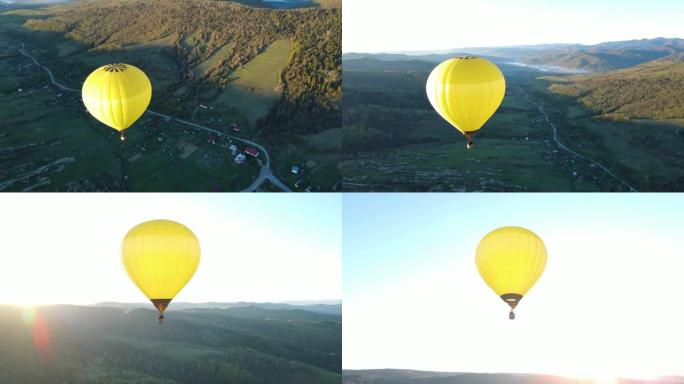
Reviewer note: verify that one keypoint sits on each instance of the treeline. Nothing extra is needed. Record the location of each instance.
(654, 90)
(312, 80)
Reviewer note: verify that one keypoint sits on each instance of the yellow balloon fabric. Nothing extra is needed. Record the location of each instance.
(160, 256)
(466, 91)
(117, 94)
(511, 260)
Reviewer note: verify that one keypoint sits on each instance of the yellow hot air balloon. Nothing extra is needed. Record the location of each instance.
(117, 95)
(511, 260)
(160, 257)
(466, 91)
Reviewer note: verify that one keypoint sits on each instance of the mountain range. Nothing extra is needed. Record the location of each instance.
(396, 376)
(591, 58)
(329, 307)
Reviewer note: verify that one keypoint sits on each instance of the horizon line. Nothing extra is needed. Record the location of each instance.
(450, 50)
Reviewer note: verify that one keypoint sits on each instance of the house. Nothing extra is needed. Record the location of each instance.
(296, 170)
(203, 106)
(235, 127)
(212, 139)
(240, 158)
(252, 151)
(233, 149)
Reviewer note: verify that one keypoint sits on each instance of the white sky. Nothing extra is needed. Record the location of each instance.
(434, 25)
(65, 248)
(609, 303)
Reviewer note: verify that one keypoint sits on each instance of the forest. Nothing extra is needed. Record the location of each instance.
(246, 345)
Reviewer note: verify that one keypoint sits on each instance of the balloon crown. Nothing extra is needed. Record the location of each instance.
(118, 67)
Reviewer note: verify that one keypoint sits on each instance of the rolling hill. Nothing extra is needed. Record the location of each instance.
(76, 344)
(654, 90)
(331, 308)
(395, 376)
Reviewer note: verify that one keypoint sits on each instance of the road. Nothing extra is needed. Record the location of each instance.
(265, 172)
(563, 147)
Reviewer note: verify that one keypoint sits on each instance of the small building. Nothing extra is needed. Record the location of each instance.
(296, 170)
(252, 151)
(233, 149)
(212, 139)
(203, 106)
(235, 127)
(240, 158)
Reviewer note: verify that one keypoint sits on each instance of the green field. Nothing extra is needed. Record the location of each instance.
(254, 87)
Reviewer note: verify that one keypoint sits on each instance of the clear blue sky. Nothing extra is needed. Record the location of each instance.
(255, 247)
(414, 300)
(425, 25)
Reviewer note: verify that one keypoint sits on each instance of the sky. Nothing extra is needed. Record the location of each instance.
(608, 304)
(65, 248)
(437, 25)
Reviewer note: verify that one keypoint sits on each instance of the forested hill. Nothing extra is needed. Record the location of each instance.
(653, 90)
(247, 345)
(291, 3)
(311, 80)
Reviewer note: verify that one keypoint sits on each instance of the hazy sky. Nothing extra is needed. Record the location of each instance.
(609, 303)
(59, 248)
(429, 25)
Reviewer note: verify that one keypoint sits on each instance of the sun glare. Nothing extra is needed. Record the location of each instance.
(605, 380)
(35, 322)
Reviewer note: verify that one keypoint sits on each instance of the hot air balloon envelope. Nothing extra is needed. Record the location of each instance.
(160, 256)
(466, 91)
(511, 260)
(117, 95)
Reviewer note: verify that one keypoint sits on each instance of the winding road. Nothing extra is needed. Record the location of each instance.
(264, 174)
(563, 147)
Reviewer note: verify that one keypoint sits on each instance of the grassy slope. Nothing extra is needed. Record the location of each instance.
(256, 85)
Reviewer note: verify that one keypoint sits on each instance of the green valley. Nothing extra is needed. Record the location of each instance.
(550, 134)
(226, 77)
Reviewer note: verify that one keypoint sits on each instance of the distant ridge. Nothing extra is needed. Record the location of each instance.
(329, 307)
(397, 376)
(601, 57)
